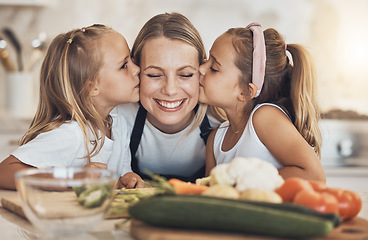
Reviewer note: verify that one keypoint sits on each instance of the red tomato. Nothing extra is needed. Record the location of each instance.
(323, 202)
(350, 202)
(291, 187)
(318, 185)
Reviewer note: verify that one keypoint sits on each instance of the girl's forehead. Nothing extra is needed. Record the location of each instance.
(223, 39)
(222, 45)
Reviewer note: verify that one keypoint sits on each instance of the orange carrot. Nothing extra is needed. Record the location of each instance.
(182, 187)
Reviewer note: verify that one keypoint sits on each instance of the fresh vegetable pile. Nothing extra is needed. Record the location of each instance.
(257, 202)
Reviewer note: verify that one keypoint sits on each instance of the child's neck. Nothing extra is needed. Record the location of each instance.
(237, 118)
(233, 134)
(237, 122)
(104, 113)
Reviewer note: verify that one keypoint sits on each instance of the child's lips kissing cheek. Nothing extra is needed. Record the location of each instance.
(170, 105)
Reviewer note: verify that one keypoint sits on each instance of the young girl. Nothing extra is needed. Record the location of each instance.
(270, 102)
(85, 74)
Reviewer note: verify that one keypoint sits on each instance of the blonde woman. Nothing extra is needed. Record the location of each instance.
(85, 74)
(269, 101)
(169, 127)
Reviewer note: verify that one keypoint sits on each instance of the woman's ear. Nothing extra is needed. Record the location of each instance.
(248, 93)
(93, 89)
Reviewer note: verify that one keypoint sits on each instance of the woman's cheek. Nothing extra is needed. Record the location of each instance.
(192, 88)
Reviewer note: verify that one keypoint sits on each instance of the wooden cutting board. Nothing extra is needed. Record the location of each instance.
(355, 229)
(66, 201)
(12, 203)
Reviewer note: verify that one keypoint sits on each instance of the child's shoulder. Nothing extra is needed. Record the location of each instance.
(267, 108)
(69, 126)
(268, 113)
(68, 130)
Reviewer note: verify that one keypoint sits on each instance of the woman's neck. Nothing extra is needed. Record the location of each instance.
(170, 128)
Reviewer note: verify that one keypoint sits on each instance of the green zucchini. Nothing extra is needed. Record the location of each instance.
(335, 218)
(198, 212)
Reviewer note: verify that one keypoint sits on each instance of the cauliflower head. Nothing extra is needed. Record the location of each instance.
(220, 176)
(247, 173)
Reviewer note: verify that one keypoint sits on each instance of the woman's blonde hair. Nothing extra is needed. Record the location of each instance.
(173, 26)
(71, 65)
(292, 86)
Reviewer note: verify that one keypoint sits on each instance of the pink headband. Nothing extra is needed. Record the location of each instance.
(259, 56)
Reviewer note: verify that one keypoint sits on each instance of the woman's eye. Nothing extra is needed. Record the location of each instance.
(186, 75)
(213, 70)
(125, 65)
(154, 75)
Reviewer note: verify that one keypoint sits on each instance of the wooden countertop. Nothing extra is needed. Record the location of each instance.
(13, 226)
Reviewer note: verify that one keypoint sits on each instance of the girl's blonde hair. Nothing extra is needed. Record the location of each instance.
(173, 26)
(70, 67)
(292, 86)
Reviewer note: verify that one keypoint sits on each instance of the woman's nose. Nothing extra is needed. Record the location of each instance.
(171, 86)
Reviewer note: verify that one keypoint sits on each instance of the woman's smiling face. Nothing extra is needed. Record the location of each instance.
(169, 87)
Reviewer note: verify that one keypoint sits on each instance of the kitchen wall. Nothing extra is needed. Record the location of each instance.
(333, 30)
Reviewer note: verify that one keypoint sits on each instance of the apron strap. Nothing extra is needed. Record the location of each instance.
(136, 136)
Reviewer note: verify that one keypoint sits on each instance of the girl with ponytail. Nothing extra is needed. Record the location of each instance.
(269, 99)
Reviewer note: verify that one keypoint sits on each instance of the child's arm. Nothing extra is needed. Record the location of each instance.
(8, 168)
(287, 145)
(210, 157)
(130, 180)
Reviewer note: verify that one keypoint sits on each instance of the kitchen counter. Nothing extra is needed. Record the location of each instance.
(13, 227)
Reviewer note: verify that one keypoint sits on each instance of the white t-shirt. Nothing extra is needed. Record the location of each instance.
(65, 147)
(162, 153)
(248, 145)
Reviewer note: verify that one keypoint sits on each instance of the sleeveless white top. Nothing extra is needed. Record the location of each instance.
(248, 145)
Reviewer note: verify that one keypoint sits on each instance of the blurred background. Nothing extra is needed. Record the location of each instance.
(334, 31)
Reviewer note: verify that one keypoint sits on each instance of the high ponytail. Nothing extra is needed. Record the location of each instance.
(303, 96)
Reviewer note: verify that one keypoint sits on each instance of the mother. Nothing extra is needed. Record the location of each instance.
(169, 127)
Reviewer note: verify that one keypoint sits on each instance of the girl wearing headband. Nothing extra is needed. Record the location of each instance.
(85, 74)
(270, 102)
